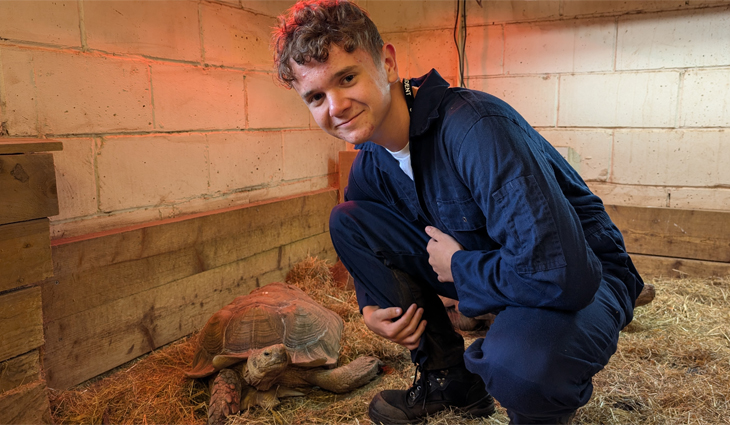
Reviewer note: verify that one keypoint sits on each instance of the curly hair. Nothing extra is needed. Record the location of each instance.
(309, 27)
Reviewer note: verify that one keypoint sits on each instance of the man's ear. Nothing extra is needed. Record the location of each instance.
(390, 63)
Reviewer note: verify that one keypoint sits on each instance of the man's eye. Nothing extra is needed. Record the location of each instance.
(316, 97)
(348, 79)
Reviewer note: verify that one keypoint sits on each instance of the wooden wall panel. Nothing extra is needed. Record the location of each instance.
(106, 336)
(345, 161)
(25, 405)
(20, 370)
(669, 232)
(218, 238)
(121, 295)
(25, 253)
(653, 266)
(28, 187)
(21, 322)
(69, 294)
(114, 266)
(319, 246)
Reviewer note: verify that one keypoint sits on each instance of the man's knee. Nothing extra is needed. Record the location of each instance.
(536, 384)
(341, 220)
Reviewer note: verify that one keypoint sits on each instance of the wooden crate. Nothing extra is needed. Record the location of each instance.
(28, 183)
(25, 253)
(28, 187)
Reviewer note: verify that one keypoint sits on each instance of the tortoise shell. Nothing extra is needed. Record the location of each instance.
(273, 314)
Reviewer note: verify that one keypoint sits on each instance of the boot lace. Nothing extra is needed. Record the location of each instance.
(420, 386)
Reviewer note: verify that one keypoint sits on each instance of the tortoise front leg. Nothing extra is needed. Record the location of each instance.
(344, 378)
(225, 396)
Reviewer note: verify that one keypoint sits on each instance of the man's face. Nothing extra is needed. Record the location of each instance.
(348, 95)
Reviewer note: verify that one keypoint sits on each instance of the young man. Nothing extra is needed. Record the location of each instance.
(453, 193)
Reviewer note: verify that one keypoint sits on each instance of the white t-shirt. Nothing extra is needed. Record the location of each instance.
(403, 157)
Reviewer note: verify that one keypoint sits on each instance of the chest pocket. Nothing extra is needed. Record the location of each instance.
(461, 215)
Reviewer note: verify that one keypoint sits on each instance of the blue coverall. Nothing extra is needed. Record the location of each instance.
(539, 249)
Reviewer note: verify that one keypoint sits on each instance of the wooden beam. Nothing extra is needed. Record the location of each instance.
(26, 405)
(28, 145)
(669, 232)
(21, 322)
(345, 160)
(20, 370)
(218, 238)
(28, 187)
(25, 253)
(651, 266)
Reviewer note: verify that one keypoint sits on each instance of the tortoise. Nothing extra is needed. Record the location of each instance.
(273, 343)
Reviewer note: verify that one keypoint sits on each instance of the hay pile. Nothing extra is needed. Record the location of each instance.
(150, 390)
(672, 366)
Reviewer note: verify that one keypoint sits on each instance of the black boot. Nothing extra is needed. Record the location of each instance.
(433, 392)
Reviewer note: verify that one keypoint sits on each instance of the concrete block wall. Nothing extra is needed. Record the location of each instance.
(640, 89)
(422, 33)
(165, 107)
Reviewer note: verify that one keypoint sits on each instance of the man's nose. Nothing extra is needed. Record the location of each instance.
(339, 104)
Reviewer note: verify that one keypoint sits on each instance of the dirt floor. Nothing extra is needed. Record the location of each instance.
(672, 366)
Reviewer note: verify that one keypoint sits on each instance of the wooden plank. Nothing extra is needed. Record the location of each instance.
(21, 322)
(668, 232)
(26, 405)
(345, 161)
(651, 266)
(28, 187)
(28, 145)
(25, 253)
(19, 371)
(86, 280)
(319, 246)
(218, 238)
(76, 292)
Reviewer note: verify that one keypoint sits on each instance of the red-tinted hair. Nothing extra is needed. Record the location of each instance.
(309, 27)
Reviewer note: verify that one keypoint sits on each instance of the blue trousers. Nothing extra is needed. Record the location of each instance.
(537, 363)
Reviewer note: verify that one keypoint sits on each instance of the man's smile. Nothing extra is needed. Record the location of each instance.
(345, 123)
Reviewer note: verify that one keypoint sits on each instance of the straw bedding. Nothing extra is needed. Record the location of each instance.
(672, 366)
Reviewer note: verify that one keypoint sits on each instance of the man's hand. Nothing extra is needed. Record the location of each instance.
(405, 331)
(440, 249)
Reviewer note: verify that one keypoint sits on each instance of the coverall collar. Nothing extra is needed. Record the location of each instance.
(431, 89)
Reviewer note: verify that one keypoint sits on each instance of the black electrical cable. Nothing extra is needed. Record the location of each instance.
(461, 49)
(463, 43)
(460, 40)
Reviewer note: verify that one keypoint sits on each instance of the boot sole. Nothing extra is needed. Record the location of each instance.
(473, 411)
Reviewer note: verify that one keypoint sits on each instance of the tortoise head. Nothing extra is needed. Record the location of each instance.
(265, 365)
